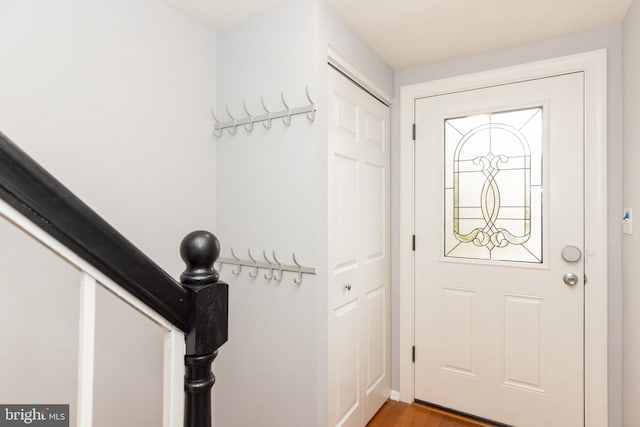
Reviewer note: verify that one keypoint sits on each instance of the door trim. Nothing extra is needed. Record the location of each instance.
(593, 64)
(338, 62)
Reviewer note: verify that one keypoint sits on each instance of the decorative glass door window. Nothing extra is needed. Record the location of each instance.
(493, 186)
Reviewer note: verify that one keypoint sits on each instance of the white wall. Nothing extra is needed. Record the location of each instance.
(271, 196)
(113, 98)
(609, 38)
(343, 40)
(631, 244)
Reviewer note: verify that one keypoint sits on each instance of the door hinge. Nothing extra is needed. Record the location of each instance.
(585, 280)
(413, 242)
(413, 354)
(413, 131)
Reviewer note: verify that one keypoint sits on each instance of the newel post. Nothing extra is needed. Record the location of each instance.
(209, 323)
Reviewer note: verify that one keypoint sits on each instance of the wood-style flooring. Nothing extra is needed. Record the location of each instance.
(398, 414)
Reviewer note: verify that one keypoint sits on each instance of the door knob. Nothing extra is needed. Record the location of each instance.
(570, 279)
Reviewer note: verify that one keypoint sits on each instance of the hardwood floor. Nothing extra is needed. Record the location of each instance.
(398, 414)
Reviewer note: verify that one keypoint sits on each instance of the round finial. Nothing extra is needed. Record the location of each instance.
(199, 251)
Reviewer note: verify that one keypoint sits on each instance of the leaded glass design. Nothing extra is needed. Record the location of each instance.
(493, 186)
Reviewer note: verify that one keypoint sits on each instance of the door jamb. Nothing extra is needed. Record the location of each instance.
(594, 66)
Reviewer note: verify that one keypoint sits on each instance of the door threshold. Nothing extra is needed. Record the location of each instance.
(488, 422)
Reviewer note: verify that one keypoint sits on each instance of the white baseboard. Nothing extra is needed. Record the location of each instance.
(395, 395)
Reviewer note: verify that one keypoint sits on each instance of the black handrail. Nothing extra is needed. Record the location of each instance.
(37, 195)
(198, 306)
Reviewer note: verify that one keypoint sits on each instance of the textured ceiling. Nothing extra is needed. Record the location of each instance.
(409, 32)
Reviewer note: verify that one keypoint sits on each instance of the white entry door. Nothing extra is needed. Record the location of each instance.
(498, 259)
(359, 263)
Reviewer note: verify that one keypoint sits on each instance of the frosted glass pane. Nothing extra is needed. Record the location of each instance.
(493, 186)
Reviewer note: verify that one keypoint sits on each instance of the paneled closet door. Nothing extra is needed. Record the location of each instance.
(359, 263)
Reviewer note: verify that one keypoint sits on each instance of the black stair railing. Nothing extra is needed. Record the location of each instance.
(198, 306)
(200, 250)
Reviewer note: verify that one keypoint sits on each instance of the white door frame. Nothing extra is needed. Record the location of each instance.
(594, 66)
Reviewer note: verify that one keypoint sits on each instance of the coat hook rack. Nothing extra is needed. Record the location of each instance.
(275, 269)
(247, 122)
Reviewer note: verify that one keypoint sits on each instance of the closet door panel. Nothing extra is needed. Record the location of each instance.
(347, 357)
(358, 154)
(375, 352)
(373, 206)
(375, 330)
(346, 219)
(375, 127)
(374, 271)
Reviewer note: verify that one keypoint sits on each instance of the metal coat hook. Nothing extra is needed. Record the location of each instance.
(268, 276)
(275, 269)
(217, 134)
(267, 123)
(248, 127)
(255, 266)
(249, 120)
(286, 120)
(277, 278)
(297, 281)
(235, 123)
(312, 114)
(236, 273)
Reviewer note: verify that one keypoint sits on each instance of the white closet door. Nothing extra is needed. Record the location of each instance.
(358, 174)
